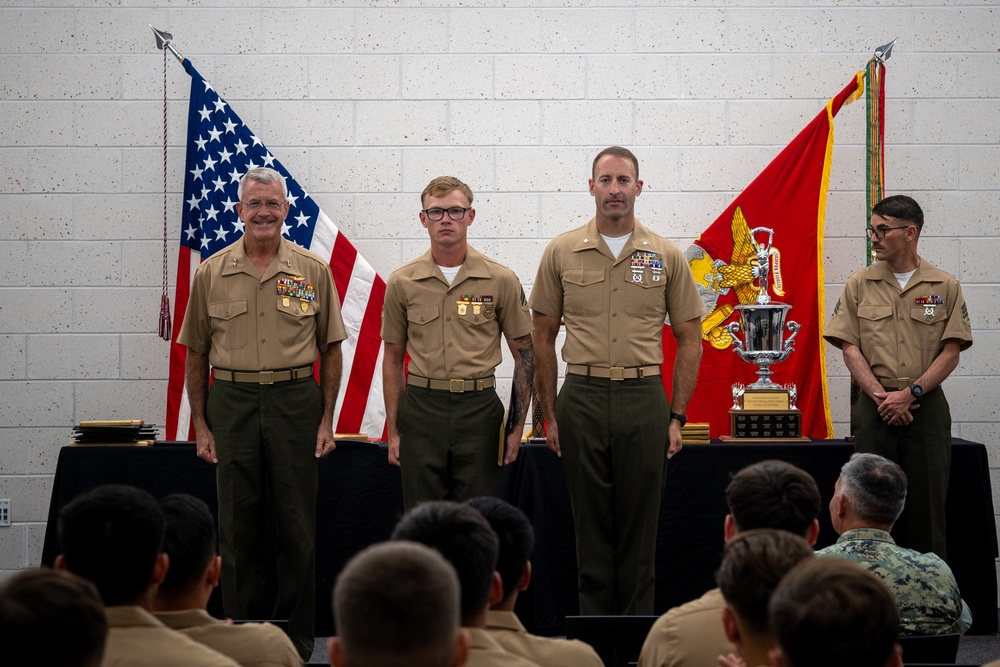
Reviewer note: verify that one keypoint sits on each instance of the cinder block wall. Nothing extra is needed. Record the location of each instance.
(365, 101)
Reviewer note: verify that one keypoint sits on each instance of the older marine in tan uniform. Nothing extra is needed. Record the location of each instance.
(614, 283)
(448, 309)
(901, 324)
(260, 312)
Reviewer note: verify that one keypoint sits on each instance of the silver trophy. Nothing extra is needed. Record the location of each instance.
(763, 323)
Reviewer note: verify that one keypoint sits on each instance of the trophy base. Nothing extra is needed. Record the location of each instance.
(761, 426)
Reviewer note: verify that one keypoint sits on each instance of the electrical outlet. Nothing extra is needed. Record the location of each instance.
(5, 512)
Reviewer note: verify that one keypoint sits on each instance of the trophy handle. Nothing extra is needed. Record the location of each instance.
(794, 328)
(733, 328)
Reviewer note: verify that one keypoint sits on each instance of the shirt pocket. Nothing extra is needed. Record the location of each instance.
(645, 299)
(229, 323)
(424, 328)
(928, 329)
(476, 332)
(583, 291)
(296, 324)
(875, 326)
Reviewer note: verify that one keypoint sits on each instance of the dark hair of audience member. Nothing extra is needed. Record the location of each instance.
(190, 540)
(55, 616)
(752, 565)
(831, 612)
(464, 537)
(516, 536)
(773, 494)
(112, 536)
(397, 603)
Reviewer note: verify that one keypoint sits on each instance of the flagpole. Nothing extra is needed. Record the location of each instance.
(163, 40)
(875, 156)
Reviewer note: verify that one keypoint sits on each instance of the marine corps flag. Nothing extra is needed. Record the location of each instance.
(788, 200)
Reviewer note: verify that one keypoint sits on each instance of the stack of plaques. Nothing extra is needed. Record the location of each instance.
(114, 432)
(695, 433)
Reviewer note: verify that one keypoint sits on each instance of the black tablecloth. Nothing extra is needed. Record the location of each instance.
(360, 501)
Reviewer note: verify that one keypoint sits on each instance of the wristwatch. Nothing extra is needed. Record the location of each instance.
(917, 391)
(679, 417)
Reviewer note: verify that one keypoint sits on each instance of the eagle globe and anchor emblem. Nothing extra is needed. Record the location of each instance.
(763, 409)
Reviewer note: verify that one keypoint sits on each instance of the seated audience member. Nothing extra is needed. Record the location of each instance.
(57, 617)
(768, 494)
(517, 540)
(397, 603)
(182, 598)
(113, 537)
(464, 537)
(828, 612)
(867, 500)
(752, 565)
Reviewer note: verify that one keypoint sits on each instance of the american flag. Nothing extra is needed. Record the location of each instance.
(220, 150)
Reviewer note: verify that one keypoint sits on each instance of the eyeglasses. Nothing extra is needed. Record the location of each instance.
(437, 214)
(273, 205)
(880, 231)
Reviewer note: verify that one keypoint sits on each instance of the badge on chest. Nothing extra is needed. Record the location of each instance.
(929, 303)
(475, 305)
(645, 268)
(296, 287)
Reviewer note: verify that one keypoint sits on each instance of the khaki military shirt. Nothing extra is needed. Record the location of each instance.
(900, 332)
(614, 309)
(484, 651)
(506, 629)
(454, 331)
(250, 644)
(246, 322)
(691, 635)
(137, 639)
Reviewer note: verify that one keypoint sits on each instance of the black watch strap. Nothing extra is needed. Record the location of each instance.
(679, 417)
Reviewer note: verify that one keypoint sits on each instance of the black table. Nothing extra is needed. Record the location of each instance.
(360, 500)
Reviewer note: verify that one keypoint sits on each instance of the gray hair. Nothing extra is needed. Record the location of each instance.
(262, 175)
(875, 486)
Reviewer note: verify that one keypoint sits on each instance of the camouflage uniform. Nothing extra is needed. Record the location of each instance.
(924, 586)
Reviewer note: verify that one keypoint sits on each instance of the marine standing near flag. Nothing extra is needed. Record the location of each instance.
(614, 283)
(901, 324)
(448, 309)
(260, 312)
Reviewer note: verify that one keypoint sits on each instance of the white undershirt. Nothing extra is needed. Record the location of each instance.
(903, 278)
(616, 243)
(450, 272)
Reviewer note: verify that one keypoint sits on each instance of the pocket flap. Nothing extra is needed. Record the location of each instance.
(874, 312)
(422, 314)
(227, 310)
(583, 276)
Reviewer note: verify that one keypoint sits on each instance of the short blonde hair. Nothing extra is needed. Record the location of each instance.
(442, 185)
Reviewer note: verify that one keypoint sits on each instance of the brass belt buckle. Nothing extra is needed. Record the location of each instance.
(265, 377)
(456, 386)
(902, 383)
(617, 372)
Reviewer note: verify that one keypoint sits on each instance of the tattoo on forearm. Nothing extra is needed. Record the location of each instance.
(524, 371)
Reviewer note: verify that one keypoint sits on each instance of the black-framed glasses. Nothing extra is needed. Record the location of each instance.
(880, 231)
(437, 214)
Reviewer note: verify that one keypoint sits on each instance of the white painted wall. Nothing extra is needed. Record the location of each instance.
(365, 101)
